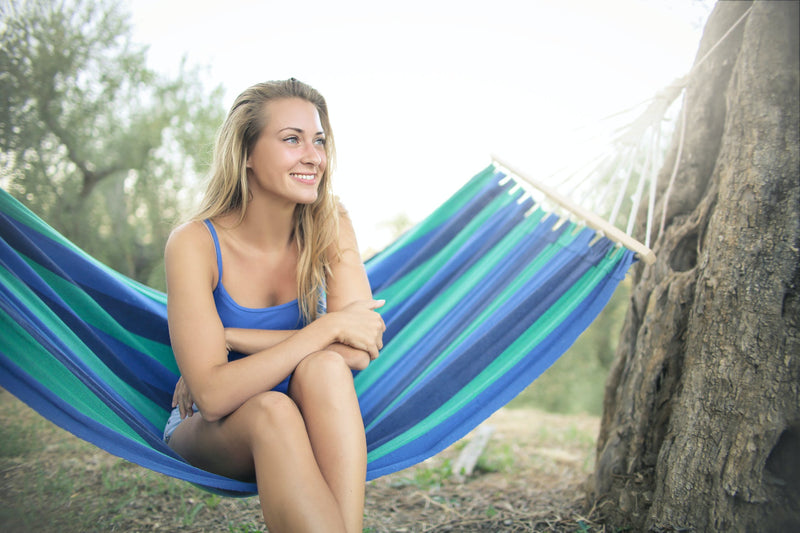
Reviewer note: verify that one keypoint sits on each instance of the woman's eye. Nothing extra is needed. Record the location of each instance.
(291, 139)
(320, 141)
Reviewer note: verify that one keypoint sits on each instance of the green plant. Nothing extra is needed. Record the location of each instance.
(212, 500)
(495, 459)
(190, 512)
(427, 478)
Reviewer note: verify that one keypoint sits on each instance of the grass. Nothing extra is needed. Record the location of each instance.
(529, 478)
(244, 528)
(426, 477)
(496, 458)
(52, 481)
(529, 474)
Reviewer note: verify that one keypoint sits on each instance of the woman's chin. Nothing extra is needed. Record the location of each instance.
(306, 199)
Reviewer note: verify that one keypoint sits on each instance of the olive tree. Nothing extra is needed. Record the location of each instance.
(91, 139)
(701, 423)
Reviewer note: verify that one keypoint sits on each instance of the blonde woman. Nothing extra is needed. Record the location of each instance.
(269, 374)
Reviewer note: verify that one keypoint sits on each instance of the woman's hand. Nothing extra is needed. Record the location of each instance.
(182, 398)
(359, 326)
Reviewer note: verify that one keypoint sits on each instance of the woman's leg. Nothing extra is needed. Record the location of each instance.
(322, 387)
(265, 438)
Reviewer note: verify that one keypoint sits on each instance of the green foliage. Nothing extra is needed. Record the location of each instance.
(576, 382)
(212, 501)
(427, 477)
(190, 512)
(91, 139)
(397, 225)
(495, 459)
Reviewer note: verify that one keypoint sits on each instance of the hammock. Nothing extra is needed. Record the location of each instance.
(481, 298)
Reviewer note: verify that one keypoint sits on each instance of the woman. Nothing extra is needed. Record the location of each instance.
(270, 375)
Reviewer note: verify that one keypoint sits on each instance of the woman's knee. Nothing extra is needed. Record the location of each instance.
(270, 411)
(322, 368)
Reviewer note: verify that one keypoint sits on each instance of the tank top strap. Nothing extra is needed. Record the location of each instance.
(211, 229)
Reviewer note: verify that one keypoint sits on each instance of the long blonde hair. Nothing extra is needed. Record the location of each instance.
(316, 225)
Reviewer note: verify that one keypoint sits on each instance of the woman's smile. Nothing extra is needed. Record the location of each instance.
(305, 178)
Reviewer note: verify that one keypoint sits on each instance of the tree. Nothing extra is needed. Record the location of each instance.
(701, 422)
(91, 139)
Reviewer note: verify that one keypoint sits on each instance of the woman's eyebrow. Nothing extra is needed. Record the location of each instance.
(298, 130)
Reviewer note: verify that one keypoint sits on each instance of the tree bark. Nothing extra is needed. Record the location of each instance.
(701, 423)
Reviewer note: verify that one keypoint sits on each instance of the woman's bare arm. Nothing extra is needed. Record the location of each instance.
(249, 341)
(348, 283)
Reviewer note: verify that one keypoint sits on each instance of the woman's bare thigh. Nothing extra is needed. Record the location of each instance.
(224, 447)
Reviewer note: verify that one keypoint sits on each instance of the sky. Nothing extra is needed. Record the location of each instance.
(422, 93)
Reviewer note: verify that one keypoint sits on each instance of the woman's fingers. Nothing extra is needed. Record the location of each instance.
(373, 353)
(182, 399)
(362, 326)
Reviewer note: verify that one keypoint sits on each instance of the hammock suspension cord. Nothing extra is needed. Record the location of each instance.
(592, 220)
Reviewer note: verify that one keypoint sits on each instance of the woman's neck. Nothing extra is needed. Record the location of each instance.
(266, 225)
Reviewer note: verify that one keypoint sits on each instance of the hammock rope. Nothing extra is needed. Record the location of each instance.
(606, 228)
(481, 297)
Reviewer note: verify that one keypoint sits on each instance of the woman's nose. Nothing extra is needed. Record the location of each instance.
(311, 155)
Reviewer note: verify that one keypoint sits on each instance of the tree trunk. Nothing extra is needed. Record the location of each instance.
(701, 423)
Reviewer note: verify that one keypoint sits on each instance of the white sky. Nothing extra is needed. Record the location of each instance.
(422, 93)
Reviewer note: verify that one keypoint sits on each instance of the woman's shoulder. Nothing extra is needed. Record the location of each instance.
(190, 256)
(190, 238)
(191, 231)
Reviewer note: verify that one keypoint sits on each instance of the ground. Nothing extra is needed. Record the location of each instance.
(530, 477)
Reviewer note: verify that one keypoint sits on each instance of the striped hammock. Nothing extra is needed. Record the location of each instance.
(482, 297)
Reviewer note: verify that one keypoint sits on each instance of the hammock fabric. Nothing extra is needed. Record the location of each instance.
(482, 297)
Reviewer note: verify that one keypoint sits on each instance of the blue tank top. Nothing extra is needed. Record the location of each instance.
(280, 317)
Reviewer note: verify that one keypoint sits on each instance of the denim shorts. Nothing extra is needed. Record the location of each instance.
(173, 421)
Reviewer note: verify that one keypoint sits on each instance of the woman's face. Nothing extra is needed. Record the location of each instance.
(288, 159)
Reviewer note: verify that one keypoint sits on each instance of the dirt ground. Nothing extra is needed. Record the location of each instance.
(530, 477)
